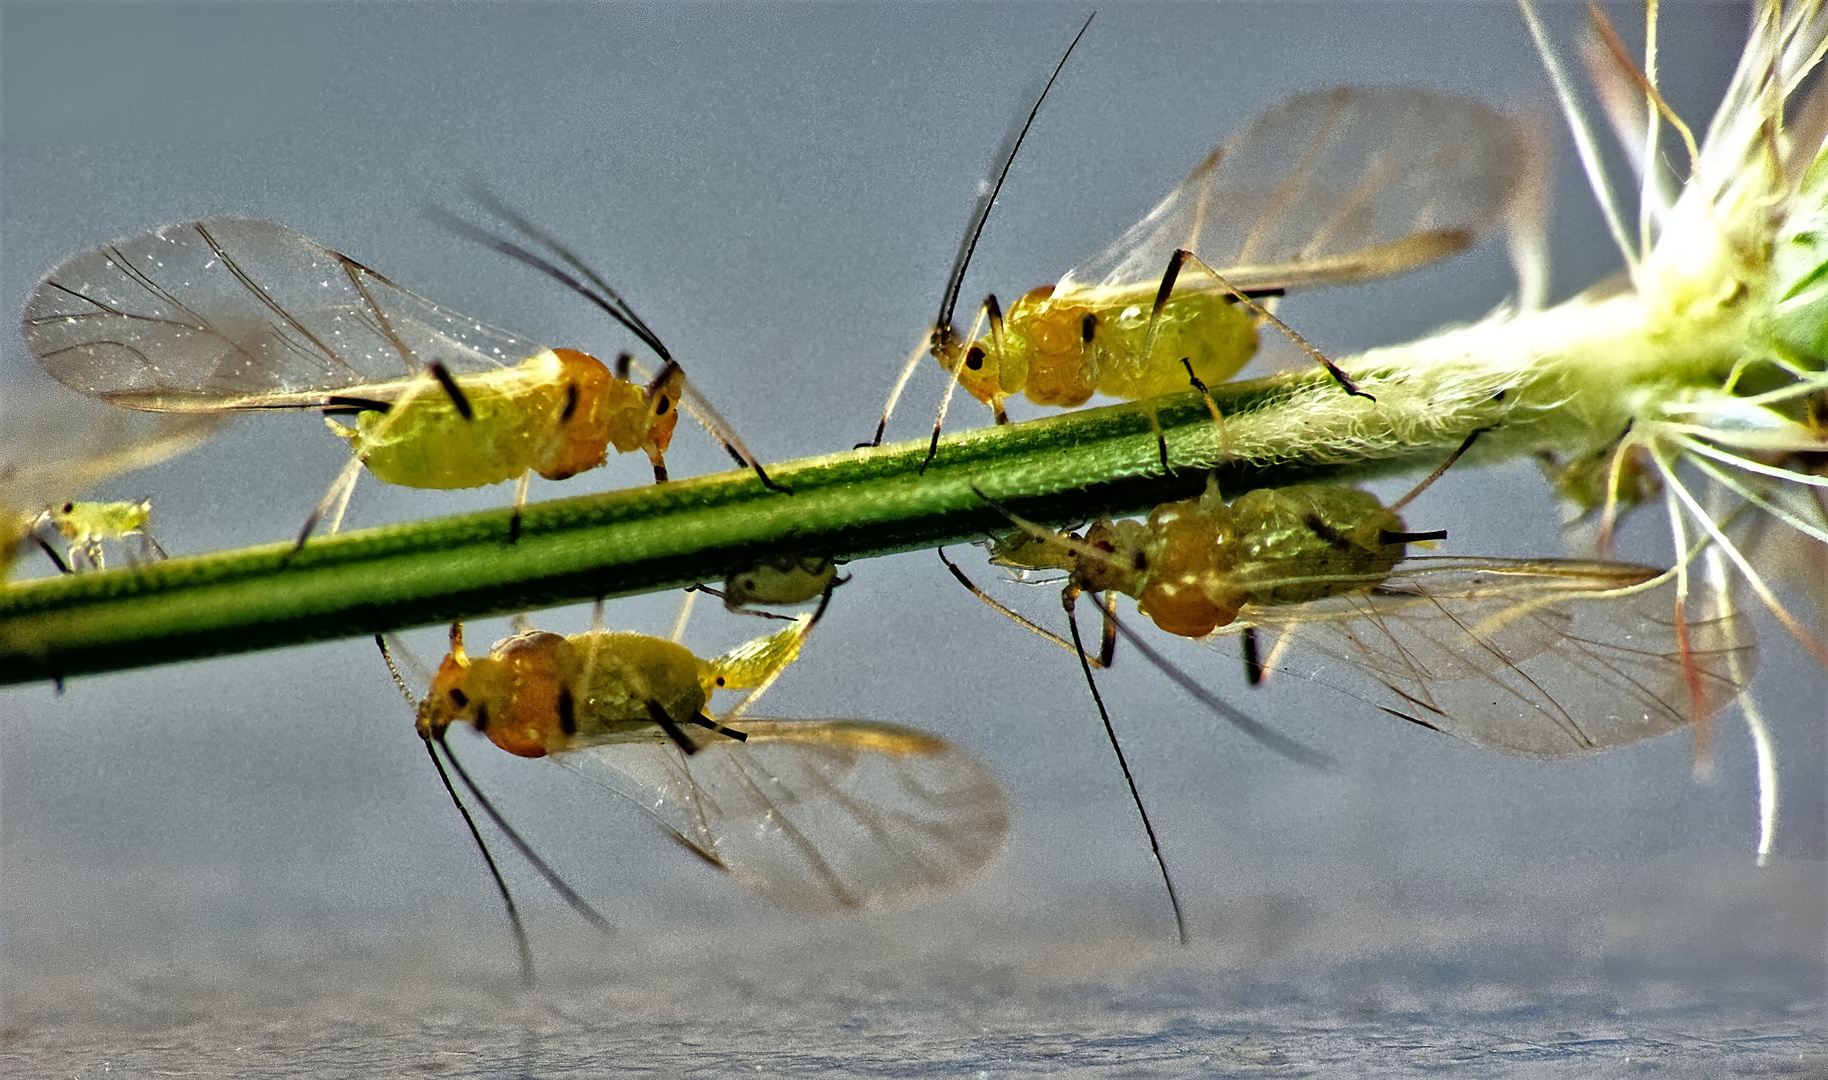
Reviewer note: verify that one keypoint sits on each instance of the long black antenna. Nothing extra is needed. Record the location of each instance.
(1155, 847)
(604, 296)
(570, 896)
(1006, 156)
(1239, 719)
(608, 300)
(501, 884)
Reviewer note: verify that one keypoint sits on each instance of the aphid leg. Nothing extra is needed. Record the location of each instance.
(901, 383)
(1339, 376)
(149, 547)
(726, 436)
(739, 609)
(1162, 292)
(51, 554)
(565, 891)
(957, 355)
(1193, 380)
(679, 621)
(993, 312)
(1107, 638)
(1254, 672)
(1067, 599)
(1101, 661)
(521, 488)
(337, 497)
(449, 382)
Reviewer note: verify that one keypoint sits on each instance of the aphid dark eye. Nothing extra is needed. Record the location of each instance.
(975, 359)
(69, 507)
(482, 718)
(1088, 328)
(720, 680)
(662, 404)
(459, 698)
(571, 403)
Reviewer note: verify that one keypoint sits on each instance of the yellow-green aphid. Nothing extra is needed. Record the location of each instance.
(1329, 187)
(788, 580)
(85, 526)
(1193, 564)
(555, 413)
(540, 693)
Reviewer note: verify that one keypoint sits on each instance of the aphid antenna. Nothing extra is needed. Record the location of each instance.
(559, 885)
(565, 891)
(944, 337)
(980, 213)
(1016, 616)
(521, 944)
(604, 297)
(1239, 719)
(1129, 778)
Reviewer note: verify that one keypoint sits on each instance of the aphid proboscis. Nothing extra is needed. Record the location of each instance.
(230, 315)
(54, 446)
(1329, 187)
(814, 815)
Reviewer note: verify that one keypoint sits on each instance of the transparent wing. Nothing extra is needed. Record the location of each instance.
(1542, 658)
(55, 445)
(232, 313)
(1334, 186)
(819, 815)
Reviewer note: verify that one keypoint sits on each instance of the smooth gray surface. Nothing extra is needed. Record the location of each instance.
(245, 867)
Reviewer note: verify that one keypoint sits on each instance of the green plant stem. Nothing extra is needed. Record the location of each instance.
(846, 506)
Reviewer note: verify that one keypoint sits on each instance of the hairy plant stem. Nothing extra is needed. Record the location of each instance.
(846, 506)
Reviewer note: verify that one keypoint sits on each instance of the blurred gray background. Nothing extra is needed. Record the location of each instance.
(246, 864)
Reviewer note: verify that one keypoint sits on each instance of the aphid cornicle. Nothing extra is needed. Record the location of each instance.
(230, 315)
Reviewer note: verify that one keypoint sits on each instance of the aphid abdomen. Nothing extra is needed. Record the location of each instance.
(1312, 541)
(1217, 336)
(427, 443)
(615, 675)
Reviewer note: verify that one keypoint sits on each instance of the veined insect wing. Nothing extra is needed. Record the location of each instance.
(818, 815)
(235, 313)
(1328, 187)
(1546, 658)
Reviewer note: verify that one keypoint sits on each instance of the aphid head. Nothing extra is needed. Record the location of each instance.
(517, 695)
(449, 699)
